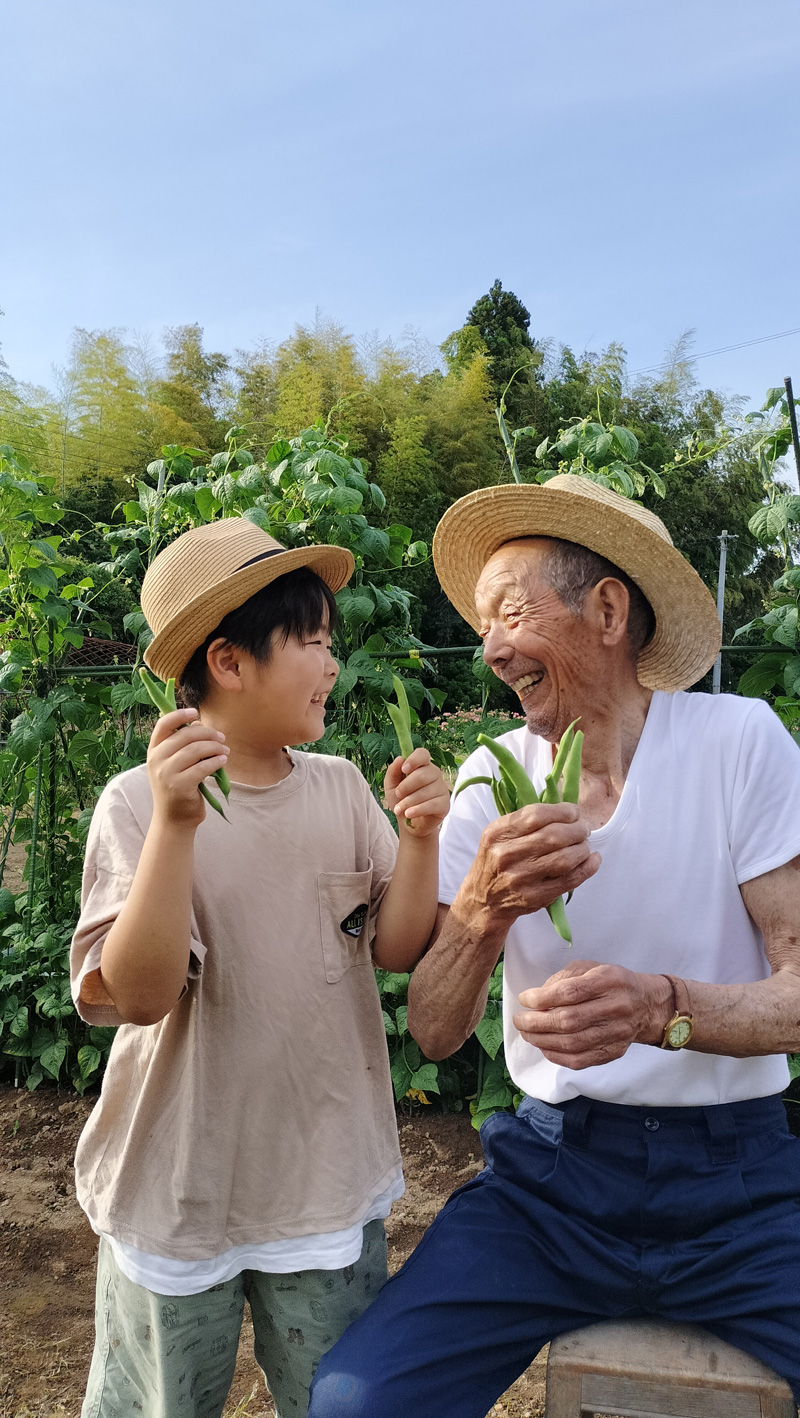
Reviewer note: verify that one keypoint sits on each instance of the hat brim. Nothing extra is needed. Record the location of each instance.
(687, 637)
(170, 651)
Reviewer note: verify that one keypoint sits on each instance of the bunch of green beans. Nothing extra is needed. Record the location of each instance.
(163, 696)
(514, 789)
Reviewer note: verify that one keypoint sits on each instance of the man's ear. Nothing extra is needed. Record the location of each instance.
(610, 605)
(224, 665)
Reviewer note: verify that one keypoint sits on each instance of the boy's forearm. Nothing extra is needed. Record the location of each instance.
(408, 910)
(145, 956)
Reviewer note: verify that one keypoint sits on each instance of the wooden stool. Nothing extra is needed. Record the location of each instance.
(652, 1369)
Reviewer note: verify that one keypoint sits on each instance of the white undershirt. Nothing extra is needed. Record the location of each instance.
(331, 1250)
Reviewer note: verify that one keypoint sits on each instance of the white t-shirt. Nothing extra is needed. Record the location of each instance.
(712, 800)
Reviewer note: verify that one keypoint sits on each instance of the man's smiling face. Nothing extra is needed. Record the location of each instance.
(550, 657)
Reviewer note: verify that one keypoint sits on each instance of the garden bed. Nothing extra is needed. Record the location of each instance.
(47, 1252)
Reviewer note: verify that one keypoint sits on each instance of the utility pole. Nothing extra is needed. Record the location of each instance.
(723, 557)
(793, 424)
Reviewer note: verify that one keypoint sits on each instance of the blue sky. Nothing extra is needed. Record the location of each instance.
(629, 168)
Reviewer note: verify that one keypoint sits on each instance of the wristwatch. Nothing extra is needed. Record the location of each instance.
(679, 1029)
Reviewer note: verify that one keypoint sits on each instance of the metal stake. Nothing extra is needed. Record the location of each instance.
(723, 557)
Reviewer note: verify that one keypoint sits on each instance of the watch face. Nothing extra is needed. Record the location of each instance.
(680, 1033)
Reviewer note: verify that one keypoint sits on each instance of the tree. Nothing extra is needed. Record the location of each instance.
(502, 322)
(189, 402)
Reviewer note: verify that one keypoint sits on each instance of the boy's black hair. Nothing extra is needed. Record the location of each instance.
(297, 604)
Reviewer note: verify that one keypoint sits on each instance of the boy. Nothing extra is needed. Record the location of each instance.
(244, 1144)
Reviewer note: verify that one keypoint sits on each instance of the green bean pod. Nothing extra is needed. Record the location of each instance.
(551, 792)
(558, 916)
(163, 697)
(504, 794)
(498, 801)
(572, 770)
(524, 793)
(470, 782)
(400, 715)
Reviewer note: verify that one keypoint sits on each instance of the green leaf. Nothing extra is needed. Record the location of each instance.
(183, 494)
(125, 695)
(791, 675)
(206, 503)
(489, 1033)
(626, 442)
(761, 677)
(43, 578)
(52, 1058)
(374, 543)
(426, 1079)
(259, 516)
(10, 677)
(398, 533)
(279, 452)
(27, 734)
(355, 609)
(785, 632)
(400, 1017)
(89, 1060)
(252, 480)
(389, 1026)
(224, 490)
(18, 1025)
(378, 499)
(84, 744)
(6, 902)
(401, 1077)
(793, 1061)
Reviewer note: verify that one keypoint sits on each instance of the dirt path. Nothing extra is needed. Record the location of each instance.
(47, 1253)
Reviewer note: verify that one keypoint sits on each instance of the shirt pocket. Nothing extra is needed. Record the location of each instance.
(345, 927)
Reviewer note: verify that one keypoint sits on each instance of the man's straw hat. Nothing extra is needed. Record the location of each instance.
(212, 570)
(687, 635)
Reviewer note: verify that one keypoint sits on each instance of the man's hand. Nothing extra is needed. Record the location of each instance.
(525, 861)
(417, 793)
(589, 1014)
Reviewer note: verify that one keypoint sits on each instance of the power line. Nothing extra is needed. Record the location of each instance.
(724, 349)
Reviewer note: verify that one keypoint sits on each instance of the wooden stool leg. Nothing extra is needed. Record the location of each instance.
(563, 1394)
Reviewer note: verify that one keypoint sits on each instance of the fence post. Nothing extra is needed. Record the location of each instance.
(723, 557)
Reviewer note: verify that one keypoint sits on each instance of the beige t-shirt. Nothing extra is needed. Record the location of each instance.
(261, 1107)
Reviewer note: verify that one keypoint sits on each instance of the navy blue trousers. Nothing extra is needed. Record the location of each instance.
(584, 1212)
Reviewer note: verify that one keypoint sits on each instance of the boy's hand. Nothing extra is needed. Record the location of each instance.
(177, 763)
(417, 793)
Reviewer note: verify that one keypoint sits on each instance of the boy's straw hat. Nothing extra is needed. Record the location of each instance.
(212, 570)
(687, 636)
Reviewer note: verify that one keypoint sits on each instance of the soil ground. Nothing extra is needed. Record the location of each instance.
(47, 1254)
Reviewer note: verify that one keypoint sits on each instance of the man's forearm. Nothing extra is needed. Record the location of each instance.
(447, 992)
(749, 1020)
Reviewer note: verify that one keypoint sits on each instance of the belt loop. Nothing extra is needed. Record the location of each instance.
(722, 1134)
(577, 1113)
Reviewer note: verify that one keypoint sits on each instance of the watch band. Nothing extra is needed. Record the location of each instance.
(682, 1015)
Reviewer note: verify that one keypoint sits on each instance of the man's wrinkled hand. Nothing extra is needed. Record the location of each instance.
(525, 861)
(589, 1014)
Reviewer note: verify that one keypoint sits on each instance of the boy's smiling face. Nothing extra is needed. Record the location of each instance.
(281, 701)
(288, 693)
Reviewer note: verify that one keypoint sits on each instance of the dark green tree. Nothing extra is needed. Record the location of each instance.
(502, 322)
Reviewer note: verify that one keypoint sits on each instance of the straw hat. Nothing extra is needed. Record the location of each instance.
(212, 570)
(687, 636)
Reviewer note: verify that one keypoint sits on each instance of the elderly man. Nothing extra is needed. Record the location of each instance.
(649, 1168)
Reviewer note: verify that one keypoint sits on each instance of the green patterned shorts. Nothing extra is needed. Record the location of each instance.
(173, 1356)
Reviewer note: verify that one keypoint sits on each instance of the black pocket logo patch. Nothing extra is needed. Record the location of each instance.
(354, 923)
